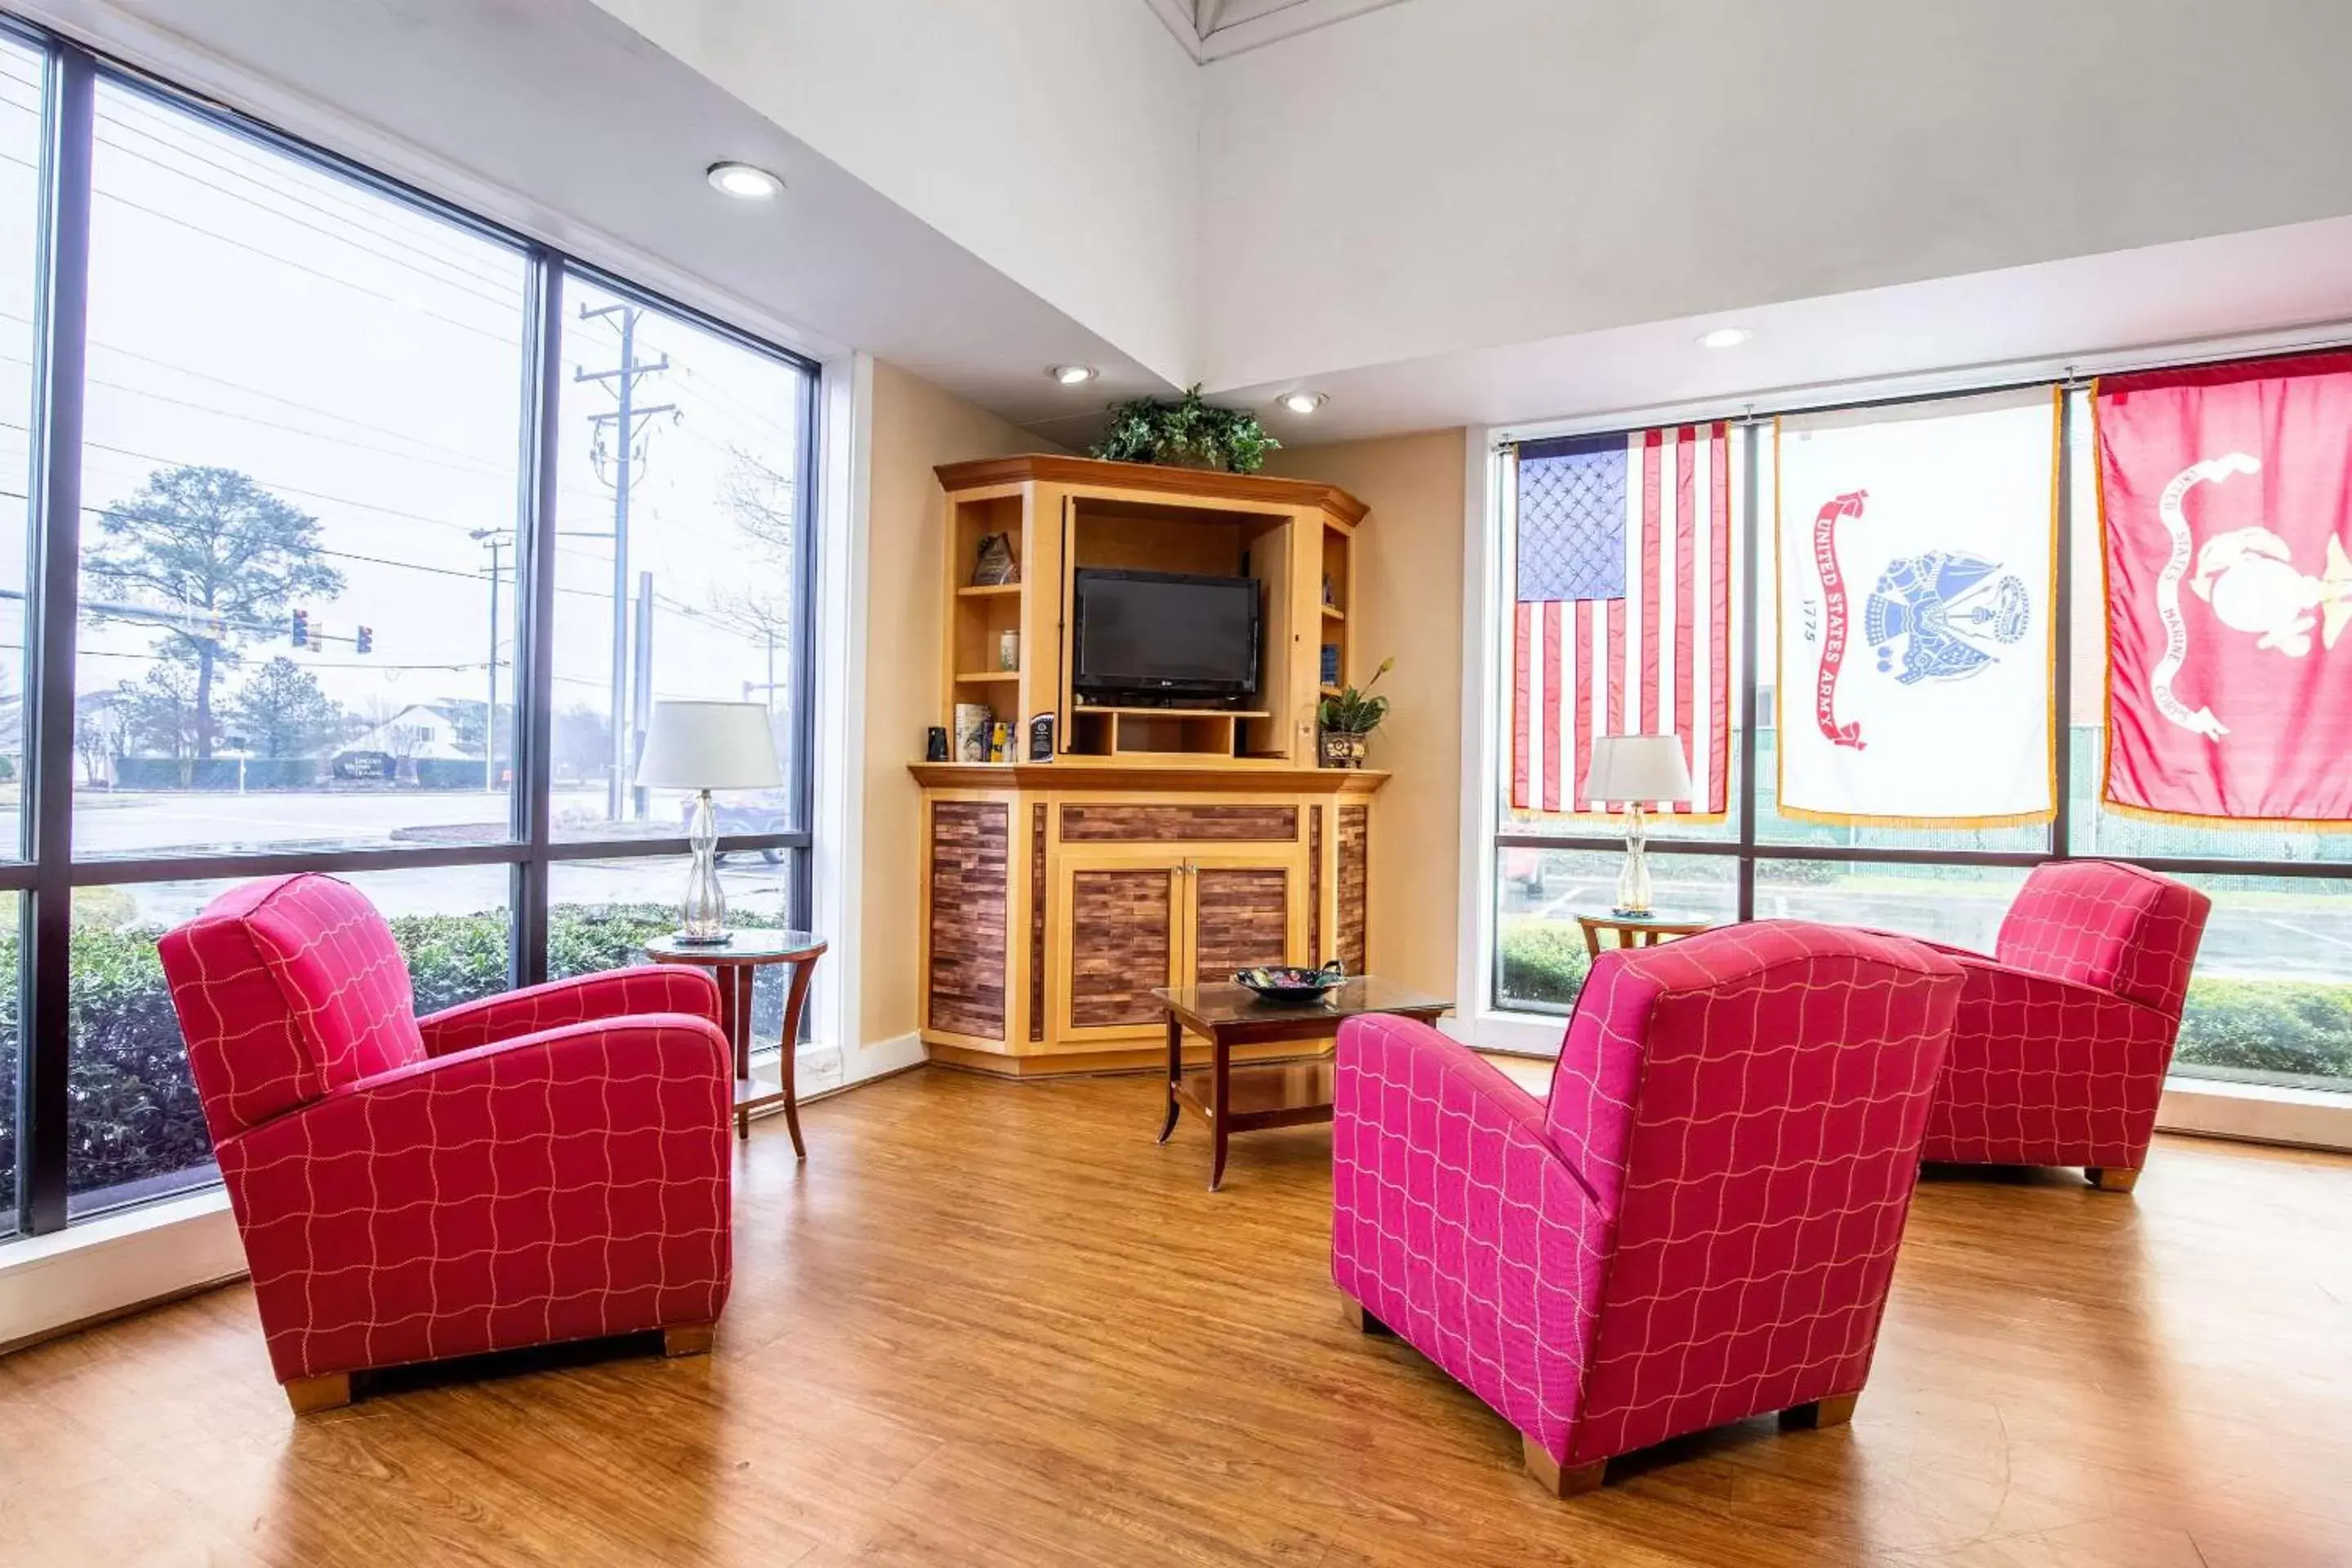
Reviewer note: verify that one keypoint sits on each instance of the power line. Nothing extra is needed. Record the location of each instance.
(309, 176)
(340, 238)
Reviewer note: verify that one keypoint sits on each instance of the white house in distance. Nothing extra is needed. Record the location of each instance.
(417, 734)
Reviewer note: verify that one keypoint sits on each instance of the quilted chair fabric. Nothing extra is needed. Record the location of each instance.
(2064, 1034)
(548, 1165)
(1698, 1226)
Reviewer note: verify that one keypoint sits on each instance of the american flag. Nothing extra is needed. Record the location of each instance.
(1622, 620)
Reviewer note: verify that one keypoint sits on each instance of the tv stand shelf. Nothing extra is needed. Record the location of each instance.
(1062, 516)
(1152, 845)
(1183, 712)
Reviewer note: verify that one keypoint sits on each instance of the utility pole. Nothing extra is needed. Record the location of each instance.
(494, 540)
(642, 714)
(625, 421)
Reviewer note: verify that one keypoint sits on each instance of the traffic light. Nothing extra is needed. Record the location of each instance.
(366, 640)
(301, 628)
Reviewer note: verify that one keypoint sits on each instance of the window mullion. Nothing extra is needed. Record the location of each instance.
(535, 626)
(61, 338)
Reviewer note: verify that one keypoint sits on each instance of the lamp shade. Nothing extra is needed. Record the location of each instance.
(1643, 768)
(708, 745)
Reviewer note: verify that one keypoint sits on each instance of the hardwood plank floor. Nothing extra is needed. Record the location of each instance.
(991, 1323)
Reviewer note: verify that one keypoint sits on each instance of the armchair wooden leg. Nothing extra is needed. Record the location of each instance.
(1562, 1483)
(689, 1339)
(2110, 1180)
(310, 1394)
(1363, 1322)
(1834, 1411)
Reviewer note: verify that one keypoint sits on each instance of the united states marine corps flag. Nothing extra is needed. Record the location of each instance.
(1917, 560)
(2226, 509)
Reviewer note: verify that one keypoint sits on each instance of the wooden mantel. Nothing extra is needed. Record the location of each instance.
(1191, 482)
(1239, 778)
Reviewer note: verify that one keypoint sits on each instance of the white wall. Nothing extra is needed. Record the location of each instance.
(1454, 174)
(1053, 139)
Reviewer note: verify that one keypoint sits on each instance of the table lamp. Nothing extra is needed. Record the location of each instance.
(704, 746)
(1640, 771)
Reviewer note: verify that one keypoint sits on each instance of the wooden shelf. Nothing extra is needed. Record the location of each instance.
(987, 677)
(987, 590)
(1178, 712)
(1333, 613)
(1328, 690)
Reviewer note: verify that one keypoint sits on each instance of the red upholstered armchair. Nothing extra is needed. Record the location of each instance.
(1698, 1226)
(550, 1165)
(2064, 1036)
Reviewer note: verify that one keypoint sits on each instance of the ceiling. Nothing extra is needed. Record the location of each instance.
(1436, 213)
(1213, 30)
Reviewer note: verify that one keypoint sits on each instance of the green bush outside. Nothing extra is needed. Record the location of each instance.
(2296, 1027)
(133, 1113)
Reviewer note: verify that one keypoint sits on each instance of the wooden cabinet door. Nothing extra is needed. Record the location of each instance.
(1115, 930)
(1243, 910)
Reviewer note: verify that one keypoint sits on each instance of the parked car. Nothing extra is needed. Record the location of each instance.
(754, 811)
(1525, 867)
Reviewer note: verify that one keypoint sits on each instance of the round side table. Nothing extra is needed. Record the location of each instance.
(1636, 931)
(733, 963)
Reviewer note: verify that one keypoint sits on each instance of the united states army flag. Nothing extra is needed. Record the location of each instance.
(1917, 559)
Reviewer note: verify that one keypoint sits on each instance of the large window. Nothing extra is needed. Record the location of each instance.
(354, 535)
(676, 557)
(299, 477)
(2269, 1001)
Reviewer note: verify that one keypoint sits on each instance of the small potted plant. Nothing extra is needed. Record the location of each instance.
(1347, 718)
(1186, 434)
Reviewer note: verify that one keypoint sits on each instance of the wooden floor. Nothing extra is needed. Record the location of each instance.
(993, 1324)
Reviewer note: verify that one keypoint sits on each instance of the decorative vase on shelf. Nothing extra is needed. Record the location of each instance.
(1343, 749)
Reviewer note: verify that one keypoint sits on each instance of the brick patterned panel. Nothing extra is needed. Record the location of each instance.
(1037, 921)
(968, 888)
(1119, 928)
(1355, 872)
(1179, 823)
(1243, 919)
(1315, 953)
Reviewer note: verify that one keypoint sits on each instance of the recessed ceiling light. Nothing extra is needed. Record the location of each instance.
(1303, 402)
(745, 182)
(1071, 374)
(1725, 338)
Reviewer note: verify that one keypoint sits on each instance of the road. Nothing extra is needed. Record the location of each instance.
(116, 824)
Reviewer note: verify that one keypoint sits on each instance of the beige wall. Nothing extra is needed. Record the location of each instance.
(1409, 604)
(916, 427)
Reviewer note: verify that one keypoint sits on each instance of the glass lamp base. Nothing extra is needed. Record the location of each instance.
(1634, 881)
(702, 915)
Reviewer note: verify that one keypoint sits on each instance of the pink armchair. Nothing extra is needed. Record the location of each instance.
(2064, 1036)
(546, 1165)
(1698, 1226)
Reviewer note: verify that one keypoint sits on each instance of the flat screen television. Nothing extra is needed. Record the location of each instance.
(1162, 635)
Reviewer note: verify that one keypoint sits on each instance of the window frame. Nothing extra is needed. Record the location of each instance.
(47, 878)
(1489, 1021)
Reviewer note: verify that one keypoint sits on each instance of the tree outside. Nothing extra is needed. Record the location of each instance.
(281, 711)
(215, 561)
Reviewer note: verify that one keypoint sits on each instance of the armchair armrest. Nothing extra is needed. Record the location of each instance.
(1459, 1224)
(2042, 1071)
(614, 993)
(569, 1183)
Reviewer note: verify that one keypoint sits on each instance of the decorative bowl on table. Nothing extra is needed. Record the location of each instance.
(1289, 983)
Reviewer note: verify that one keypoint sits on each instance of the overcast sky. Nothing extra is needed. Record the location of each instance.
(363, 361)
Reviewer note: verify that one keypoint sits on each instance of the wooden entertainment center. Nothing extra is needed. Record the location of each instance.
(1156, 845)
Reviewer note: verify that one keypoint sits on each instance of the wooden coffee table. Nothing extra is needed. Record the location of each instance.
(1256, 1095)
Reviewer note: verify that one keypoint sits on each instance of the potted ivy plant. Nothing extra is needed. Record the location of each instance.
(1187, 434)
(1349, 716)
